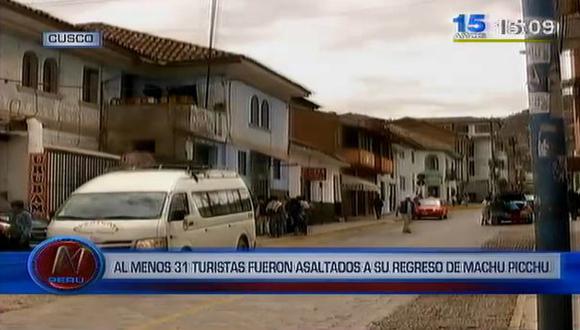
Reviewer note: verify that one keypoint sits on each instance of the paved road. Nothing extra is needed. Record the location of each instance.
(258, 311)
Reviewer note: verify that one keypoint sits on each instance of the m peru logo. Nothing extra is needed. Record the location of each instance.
(65, 264)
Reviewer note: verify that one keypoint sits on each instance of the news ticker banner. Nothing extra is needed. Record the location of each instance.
(71, 265)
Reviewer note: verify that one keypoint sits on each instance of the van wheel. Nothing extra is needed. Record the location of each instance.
(243, 244)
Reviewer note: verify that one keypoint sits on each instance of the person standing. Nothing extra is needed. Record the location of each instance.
(378, 205)
(407, 213)
(260, 216)
(20, 226)
(304, 214)
(485, 211)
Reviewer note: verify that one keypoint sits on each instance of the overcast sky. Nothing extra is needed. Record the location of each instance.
(385, 58)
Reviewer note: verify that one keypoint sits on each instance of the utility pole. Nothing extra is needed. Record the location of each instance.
(552, 226)
(212, 21)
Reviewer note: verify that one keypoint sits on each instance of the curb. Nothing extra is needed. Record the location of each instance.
(323, 232)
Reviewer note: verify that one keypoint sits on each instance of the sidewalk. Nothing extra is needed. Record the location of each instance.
(321, 229)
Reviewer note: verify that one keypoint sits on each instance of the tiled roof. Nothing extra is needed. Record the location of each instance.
(154, 48)
(148, 47)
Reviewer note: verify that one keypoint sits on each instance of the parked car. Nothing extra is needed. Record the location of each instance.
(431, 208)
(511, 208)
(38, 231)
(4, 225)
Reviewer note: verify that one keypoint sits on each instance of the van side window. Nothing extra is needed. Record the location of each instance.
(179, 207)
(219, 203)
(201, 201)
(234, 201)
(246, 200)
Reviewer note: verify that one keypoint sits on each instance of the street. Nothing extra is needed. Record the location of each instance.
(462, 229)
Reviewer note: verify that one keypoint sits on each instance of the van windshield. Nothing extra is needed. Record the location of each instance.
(121, 205)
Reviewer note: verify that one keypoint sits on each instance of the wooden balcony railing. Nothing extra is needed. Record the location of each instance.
(167, 114)
(384, 165)
(358, 157)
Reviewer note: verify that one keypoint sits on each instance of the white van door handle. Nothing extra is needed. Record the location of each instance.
(229, 225)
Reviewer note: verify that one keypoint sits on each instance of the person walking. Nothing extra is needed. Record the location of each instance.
(378, 205)
(261, 216)
(20, 226)
(485, 211)
(407, 213)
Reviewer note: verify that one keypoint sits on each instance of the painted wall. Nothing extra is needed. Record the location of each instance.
(63, 111)
(273, 141)
(482, 158)
(14, 168)
(318, 193)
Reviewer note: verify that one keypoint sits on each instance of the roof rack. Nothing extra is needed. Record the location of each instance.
(194, 169)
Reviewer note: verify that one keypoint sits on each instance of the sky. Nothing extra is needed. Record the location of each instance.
(383, 58)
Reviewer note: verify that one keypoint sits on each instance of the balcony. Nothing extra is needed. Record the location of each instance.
(384, 165)
(358, 157)
(160, 115)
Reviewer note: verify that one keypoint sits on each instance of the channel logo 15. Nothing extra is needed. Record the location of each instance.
(470, 26)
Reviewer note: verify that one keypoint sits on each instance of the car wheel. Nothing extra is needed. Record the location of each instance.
(243, 244)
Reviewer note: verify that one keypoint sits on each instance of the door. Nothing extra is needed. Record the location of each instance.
(179, 210)
(209, 228)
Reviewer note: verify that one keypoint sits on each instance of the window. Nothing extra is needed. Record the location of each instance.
(179, 207)
(277, 167)
(50, 76)
(201, 202)
(223, 202)
(412, 157)
(265, 115)
(462, 128)
(255, 111)
(471, 149)
(234, 201)
(413, 182)
(90, 85)
(246, 200)
(472, 168)
(403, 154)
(483, 128)
(402, 183)
(30, 70)
(242, 163)
(431, 162)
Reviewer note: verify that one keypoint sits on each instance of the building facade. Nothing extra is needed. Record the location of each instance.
(50, 110)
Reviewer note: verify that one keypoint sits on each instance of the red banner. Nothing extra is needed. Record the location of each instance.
(314, 173)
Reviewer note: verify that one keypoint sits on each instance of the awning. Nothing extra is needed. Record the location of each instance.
(358, 184)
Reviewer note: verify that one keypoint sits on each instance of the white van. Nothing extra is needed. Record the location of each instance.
(160, 208)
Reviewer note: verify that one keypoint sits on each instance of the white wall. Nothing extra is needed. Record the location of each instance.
(14, 168)
(272, 142)
(297, 161)
(405, 167)
(482, 158)
(64, 107)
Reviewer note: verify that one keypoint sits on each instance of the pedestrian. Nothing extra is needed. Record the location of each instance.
(485, 211)
(261, 216)
(378, 205)
(305, 214)
(20, 226)
(275, 213)
(407, 212)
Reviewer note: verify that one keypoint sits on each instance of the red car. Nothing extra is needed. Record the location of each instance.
(431, 208)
